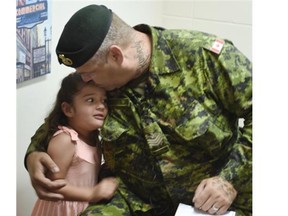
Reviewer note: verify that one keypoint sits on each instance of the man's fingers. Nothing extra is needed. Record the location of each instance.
(50, 185)
(198, 191)
(215, 197)
(49, 163)
(38, 164)
(47, 195)
(42, 161)
(222, 210)
(45, 187)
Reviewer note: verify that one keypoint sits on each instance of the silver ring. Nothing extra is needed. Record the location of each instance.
(214, 209)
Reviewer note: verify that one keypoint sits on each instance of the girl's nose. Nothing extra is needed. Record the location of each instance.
(101, 106)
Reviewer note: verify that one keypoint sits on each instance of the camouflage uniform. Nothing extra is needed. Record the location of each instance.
(177, 124)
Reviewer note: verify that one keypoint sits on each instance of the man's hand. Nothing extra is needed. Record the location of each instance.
(38, 163)
(214, 195)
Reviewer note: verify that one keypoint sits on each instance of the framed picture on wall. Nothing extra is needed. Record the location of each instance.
(33, 38)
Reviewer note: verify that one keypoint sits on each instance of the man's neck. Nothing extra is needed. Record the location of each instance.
(142, 46)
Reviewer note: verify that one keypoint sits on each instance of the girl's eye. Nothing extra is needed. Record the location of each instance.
(90, 100)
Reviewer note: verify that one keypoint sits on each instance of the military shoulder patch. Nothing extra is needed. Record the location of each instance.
(217, 46)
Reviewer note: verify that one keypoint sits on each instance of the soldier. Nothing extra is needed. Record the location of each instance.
(172, 133)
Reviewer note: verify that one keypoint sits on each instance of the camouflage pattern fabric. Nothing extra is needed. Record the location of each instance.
(183, 126)
(178, 124)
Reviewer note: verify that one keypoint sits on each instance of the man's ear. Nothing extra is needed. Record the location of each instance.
(67, 109)
(116, 54)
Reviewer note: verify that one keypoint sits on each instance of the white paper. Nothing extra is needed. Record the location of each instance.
(187, 210)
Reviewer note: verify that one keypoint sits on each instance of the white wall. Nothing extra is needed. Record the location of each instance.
(229, 19)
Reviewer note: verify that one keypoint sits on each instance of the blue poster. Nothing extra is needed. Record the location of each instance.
(34, 31)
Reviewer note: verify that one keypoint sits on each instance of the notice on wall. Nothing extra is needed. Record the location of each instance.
(33, 39)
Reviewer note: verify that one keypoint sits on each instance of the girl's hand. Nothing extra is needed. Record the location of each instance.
(105, 189)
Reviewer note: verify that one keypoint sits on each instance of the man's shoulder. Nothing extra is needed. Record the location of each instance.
(187, 33)
(194, 39)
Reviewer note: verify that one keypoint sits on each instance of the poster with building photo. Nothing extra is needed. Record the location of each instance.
(33, 38)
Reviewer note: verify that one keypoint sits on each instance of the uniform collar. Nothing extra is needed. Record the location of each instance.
(163, 60)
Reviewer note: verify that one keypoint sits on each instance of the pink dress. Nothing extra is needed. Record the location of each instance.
(83, 173)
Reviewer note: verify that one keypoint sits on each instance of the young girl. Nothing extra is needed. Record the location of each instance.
(79, 112)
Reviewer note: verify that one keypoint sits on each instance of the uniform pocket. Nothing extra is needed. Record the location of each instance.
(200, 130)
(193, 123)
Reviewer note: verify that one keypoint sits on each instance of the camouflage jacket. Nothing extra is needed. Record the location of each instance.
(178, 123)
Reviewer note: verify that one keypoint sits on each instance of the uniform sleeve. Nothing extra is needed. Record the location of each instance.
(38, 141)
(230, 74)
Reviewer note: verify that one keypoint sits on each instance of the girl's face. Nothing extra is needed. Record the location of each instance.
(89, 109)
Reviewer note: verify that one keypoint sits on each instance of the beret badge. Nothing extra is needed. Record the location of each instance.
(66, 61)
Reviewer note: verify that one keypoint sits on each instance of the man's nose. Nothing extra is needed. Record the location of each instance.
(86, 77)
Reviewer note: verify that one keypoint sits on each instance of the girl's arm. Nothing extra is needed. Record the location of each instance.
(62, 149)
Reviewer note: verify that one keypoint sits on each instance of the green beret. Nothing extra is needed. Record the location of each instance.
(83, 34)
